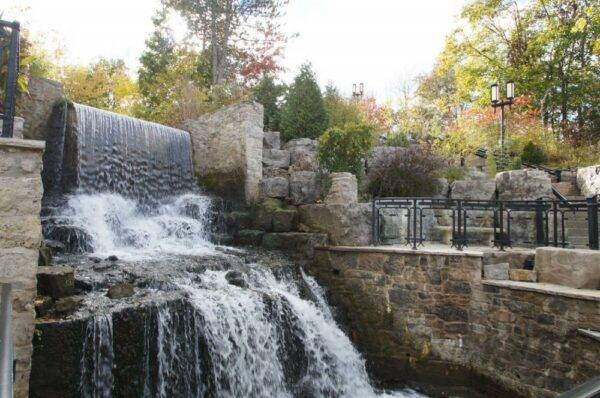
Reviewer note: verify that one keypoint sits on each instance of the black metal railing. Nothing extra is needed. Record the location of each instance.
(506, 223)
(9, 71)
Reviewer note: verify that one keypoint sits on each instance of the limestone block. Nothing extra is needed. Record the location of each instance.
(523, 185)
(249, 237)
(303, 154)
(20, 158)
(346, 225)
(304, 187)
(263, 214)
(276, 158)
(284, 220)
(272, 140)
(120, 291)
(588, 180)
(344, 189)
(275, 187)
(20, 231)
(522, 275)
(227, 147)
(269, 172)
(577, 268)
(20, 196)
(297, 242)
(18, 264)
(56, 282)
(496, 271)
(473, 189)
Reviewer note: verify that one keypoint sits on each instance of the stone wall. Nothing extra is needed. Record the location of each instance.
(429, 317)
(228, 150)
(36, 106)
(588, 180)
(20, 238)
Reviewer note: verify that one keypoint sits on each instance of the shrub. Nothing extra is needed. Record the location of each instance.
(453, 173)
(344, 149)
(533, 154)
(408, 172)
(303, 114)
(398, 139)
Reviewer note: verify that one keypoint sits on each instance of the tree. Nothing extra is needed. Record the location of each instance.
(303, 113)
(341, 111)
(268, 93)
(225, 27)
(344, 149)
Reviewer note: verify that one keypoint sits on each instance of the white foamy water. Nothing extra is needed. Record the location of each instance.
(118, 226)
(97, 360)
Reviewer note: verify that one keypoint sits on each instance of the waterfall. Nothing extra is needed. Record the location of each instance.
(97, 359)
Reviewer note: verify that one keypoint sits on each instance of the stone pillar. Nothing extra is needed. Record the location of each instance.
(20, 238)
(344, 189)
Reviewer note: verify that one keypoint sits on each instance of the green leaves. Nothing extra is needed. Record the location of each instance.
(344, 149)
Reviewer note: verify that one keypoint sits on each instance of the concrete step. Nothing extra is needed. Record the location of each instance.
(567, 188)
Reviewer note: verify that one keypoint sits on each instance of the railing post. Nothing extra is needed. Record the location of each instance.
(414, 231)
(501, 224)
(540, 237)
(375, 224)
(555, 223)
(592, 216)
(11, 82)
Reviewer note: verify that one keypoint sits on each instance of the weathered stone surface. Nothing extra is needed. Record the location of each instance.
(263, 213)
(523, 185)
(442, 188)
(576, 268)
(343, 190)
(67, 305)
(275, 187)
(272, 140)
(284, 220)
(473, 189)
(249, 237)
(236, 278)
(522, 275)
(36, 106)
(496, 271)
(18, 123)
(304, 187)
(269, 172)
(299, 243)
(303, 154)
(20, 238)
(56, 282)
(120, 291)
(380, 157)
(239, 220)
(46, 256)
(588, 180)
(346, 225)
(276, 158)
(227, 148)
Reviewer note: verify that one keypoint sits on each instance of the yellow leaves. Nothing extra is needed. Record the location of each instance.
(579, 25)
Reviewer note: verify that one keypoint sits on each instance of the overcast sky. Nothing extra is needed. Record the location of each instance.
(378, 42)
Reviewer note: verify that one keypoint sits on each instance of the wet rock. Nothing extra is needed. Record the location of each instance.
(236, 278)
(302, 244)
(275, 187)
(45, 257)
(263, 214)
(249, 237)
(95, 260)
(284, 220)
(272, 140)
(221, 239)
(67, 305)
(56, 282)
(120, 291)
(239, 220)
(83, 286)
(43, 306)
(112, 258)
(54, 245)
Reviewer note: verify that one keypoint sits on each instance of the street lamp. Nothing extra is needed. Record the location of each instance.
(501, 103)
(358, 90)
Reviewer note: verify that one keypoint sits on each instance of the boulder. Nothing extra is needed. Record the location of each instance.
(120, 291)
(45, 257)
(343, 190)
(274, 187)
(299, 243)
(276, 158)
(36, 106)
(263, 213)
(442, 188)
(272, 140)
(269, 172)
(473, 189)
(588, 180)
(284, 220)
(305, 187)
(577, 268)
(346, 225)
(303, 154)
(523, 185)
(238, 220)
(67, 305)
(496, 271)
(56, 282)
(249, 237)
(236, 278)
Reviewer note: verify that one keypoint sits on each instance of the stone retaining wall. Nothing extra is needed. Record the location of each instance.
(429, 317)
(20, 236)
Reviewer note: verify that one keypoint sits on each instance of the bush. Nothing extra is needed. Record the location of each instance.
(344, 149)
(409, 172)
(533, 154)
(453, 173)
(398, 139)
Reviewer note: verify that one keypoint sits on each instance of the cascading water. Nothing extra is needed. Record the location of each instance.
(238, 329)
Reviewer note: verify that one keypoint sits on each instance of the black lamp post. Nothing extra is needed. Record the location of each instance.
(501, 103)
(358, 90)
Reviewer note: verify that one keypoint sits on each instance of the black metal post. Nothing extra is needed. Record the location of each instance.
(414, 231)
(11, 80)
(374, 220)
(539, 223)
(592, 216)
(501, 225)
(555, 224)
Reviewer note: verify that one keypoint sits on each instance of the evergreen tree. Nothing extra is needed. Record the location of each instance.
(304, 114)
(267, 93)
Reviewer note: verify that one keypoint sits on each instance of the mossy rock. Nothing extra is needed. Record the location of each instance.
(263, 213)
(228, 185)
